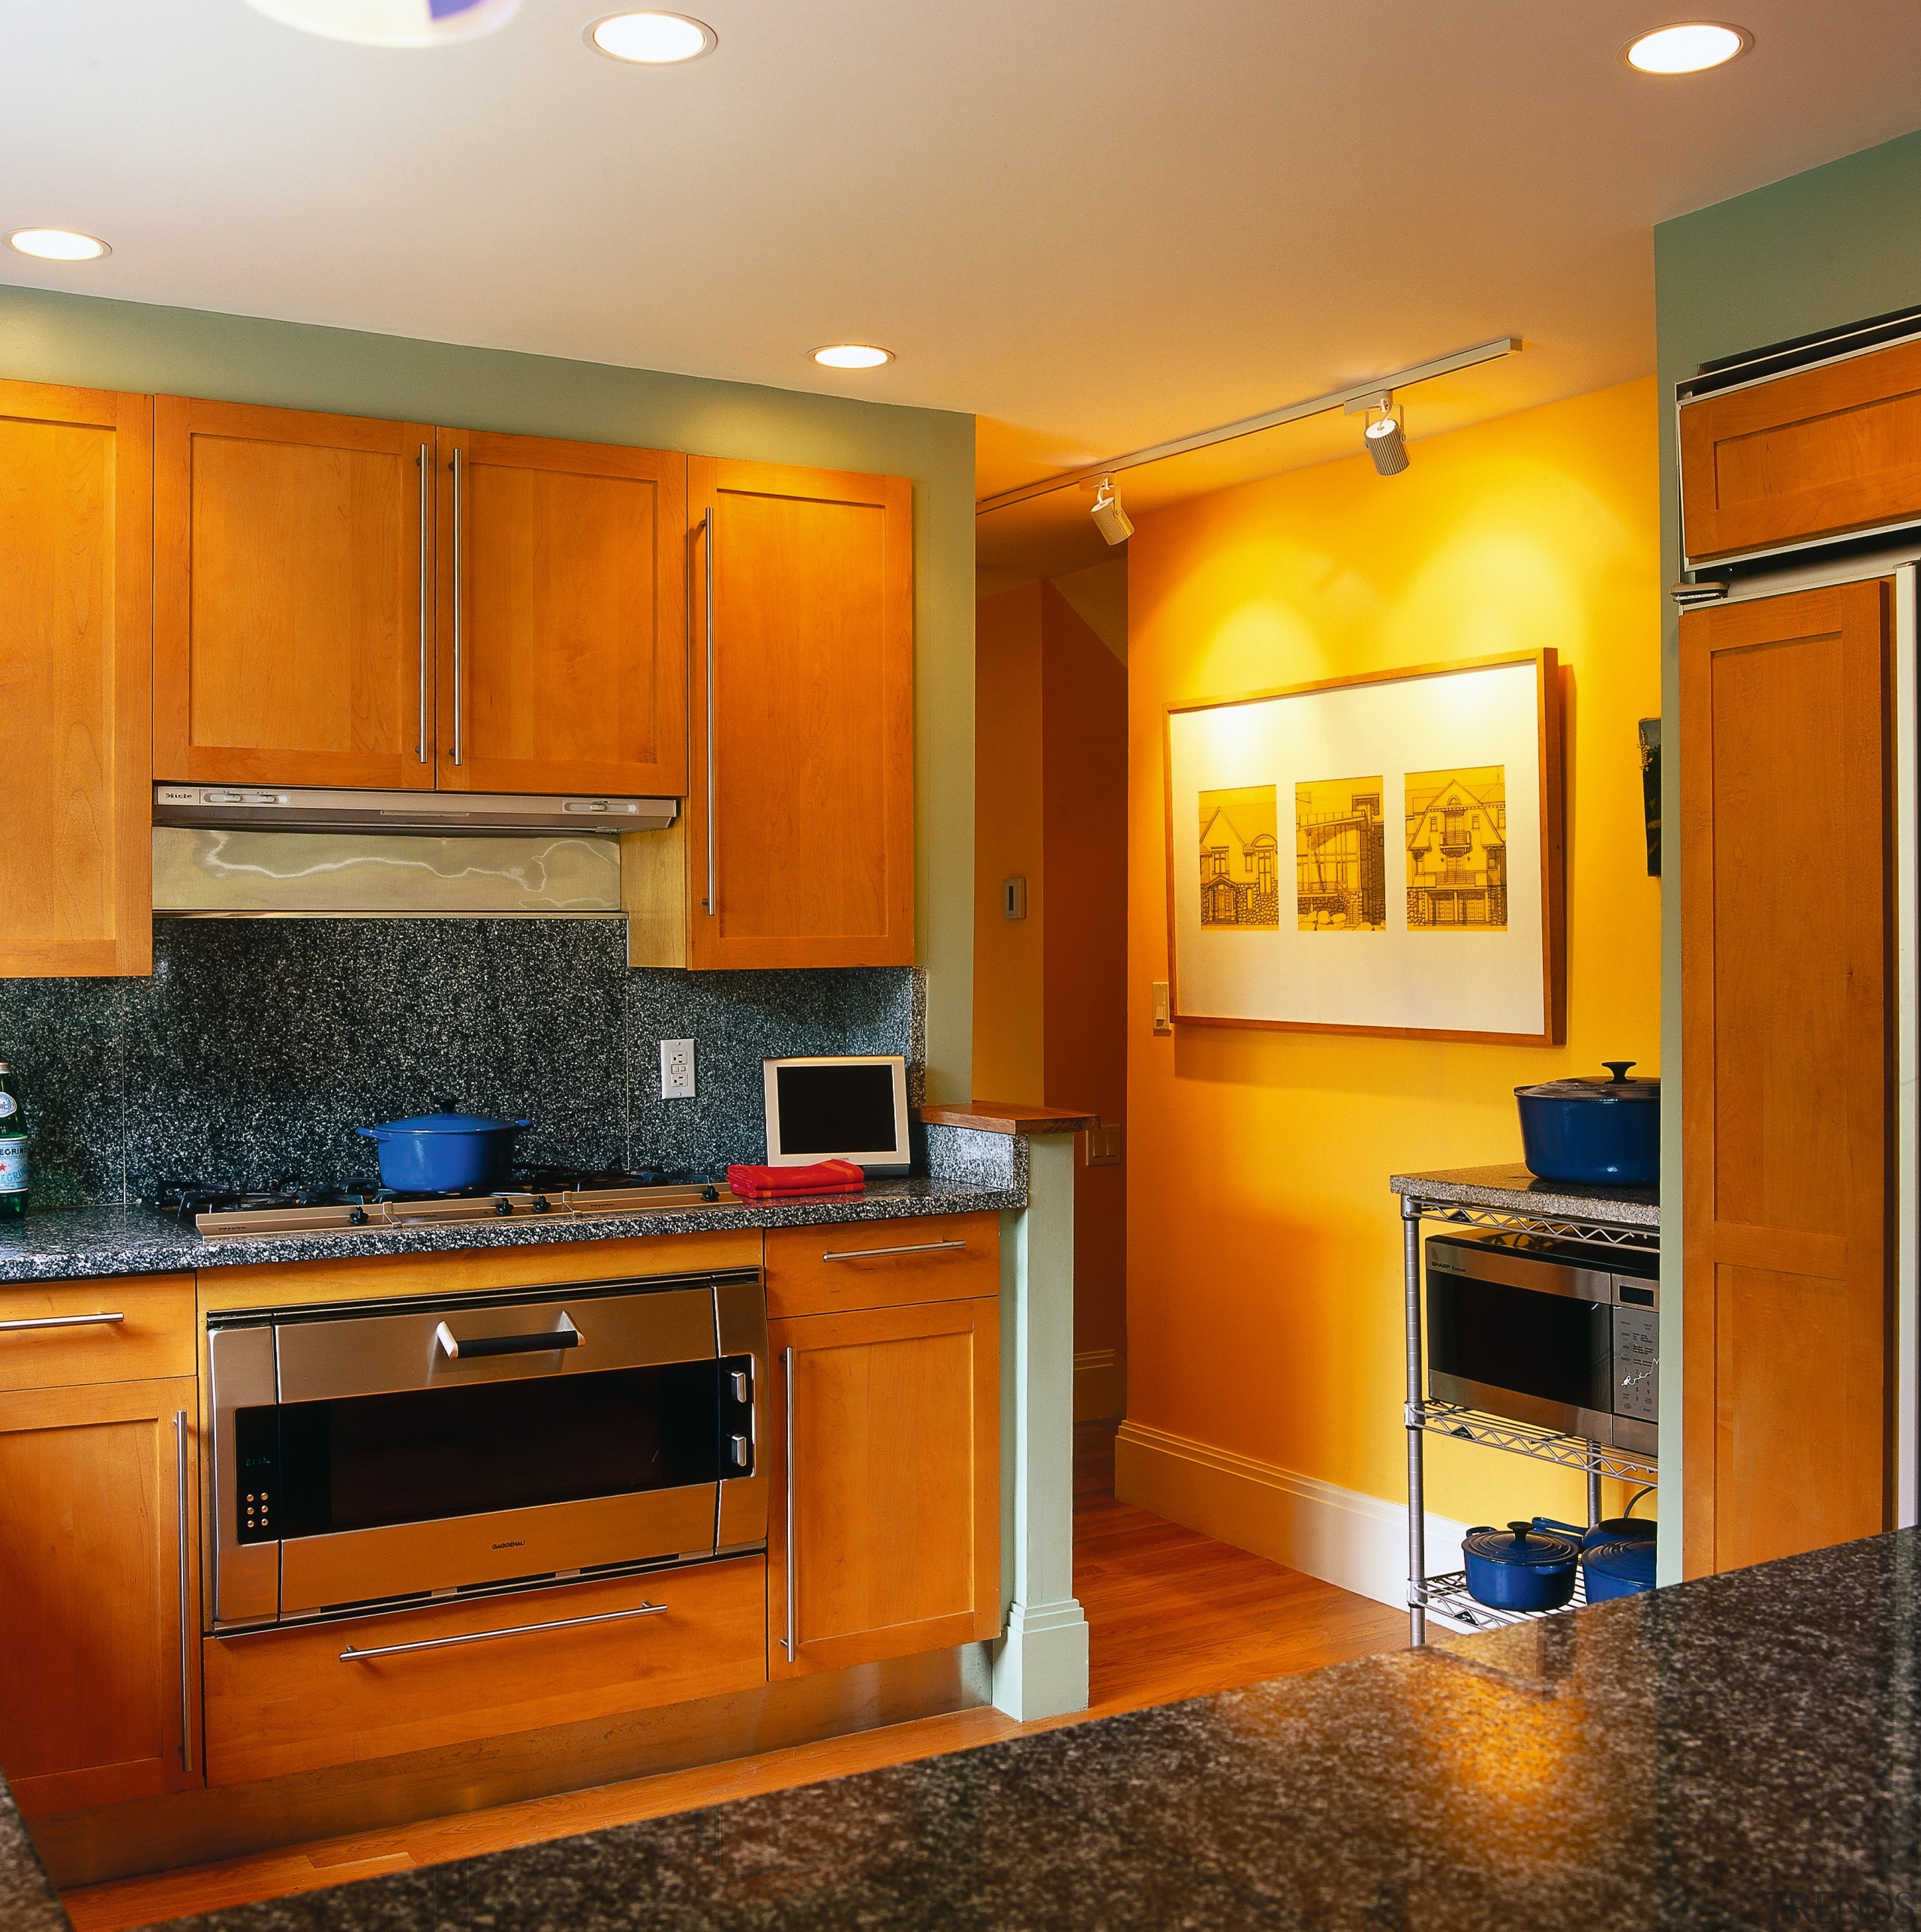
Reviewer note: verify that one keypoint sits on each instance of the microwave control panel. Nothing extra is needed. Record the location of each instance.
(1638, 1363)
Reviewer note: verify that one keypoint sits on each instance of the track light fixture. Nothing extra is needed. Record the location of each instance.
(1110, 519)
(1386, 443)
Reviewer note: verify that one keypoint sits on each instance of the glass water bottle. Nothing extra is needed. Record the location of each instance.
(13, 1147)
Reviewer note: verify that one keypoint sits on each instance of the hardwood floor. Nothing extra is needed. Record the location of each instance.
(1172, 1615)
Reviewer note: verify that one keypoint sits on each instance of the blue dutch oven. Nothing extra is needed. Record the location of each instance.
(1522, 1567)
(1617, 1555)
(1595, 1133)
(445, 1153)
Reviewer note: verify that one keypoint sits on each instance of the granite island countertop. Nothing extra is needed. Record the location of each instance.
(72, 1244)
(1728, 1752)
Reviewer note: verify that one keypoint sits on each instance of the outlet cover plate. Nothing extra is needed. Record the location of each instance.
(677, 1075)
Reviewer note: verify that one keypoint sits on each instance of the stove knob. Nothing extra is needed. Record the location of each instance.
(503, 1206)
(358, 1218)
(710, 1193)
(540, 1204)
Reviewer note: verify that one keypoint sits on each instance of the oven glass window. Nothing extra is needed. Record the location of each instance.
(1552, 1347)
(359, 1462)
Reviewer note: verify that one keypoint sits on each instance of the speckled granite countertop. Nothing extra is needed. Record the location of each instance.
(68, 1244)
(1516, 1188)
(1731, 1753)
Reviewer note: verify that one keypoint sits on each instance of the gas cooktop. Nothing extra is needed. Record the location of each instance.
(293, 1206)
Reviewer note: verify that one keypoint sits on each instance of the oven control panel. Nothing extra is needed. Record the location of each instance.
(257, 1475)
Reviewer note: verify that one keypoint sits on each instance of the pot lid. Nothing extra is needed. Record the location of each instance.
(448, 1122)
(1631, 1560)
(1520, 1543)
(1618, 1087)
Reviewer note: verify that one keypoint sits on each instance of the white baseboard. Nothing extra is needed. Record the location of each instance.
(1341, 1536)
(1100, 1384)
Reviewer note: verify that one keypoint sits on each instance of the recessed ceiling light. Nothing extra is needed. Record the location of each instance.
(1687, 48)
(58, 244)
(392, 23)
(652, 40)
(853, 356)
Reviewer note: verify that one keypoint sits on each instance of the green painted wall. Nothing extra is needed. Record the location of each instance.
(67, 338)
(1818, 250)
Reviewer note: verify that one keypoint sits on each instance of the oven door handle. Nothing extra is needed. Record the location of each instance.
(477, 1346)
(350, 1655)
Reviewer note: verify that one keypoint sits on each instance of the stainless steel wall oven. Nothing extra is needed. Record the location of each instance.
(370, 1453)
(1562, 1333)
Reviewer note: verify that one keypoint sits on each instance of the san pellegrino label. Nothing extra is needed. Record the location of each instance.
(13, 1164)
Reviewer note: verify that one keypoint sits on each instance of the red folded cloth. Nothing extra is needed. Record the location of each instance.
(823, 1177)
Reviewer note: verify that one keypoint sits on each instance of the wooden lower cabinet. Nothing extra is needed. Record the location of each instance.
(281, 1701)
(893, 1489)
(98, 1686)
(1788, 1086)
(849, 1264)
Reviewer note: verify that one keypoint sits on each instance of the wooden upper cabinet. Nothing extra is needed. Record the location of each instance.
(1816, 454)
(800, 824)
(293, 618)
(1787, 1079)
(76, 617)
(563, 616)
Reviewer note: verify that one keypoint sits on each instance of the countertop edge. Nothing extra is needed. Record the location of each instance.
(1514, 1190)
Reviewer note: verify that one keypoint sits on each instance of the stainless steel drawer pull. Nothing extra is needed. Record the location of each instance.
(712, 901)
(426, 467)
(350, 1655)
(62, 1321)
(476, 1347)
(454, 466)
(919, 1248)
(788, 1554)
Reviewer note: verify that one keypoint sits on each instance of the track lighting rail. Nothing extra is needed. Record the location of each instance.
(1249, 426)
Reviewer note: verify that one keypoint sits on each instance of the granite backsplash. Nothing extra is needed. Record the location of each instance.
(259, 1045)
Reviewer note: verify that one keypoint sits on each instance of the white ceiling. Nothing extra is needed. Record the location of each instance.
(1095, 224)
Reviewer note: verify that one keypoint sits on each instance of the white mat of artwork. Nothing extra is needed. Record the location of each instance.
(1447, 980)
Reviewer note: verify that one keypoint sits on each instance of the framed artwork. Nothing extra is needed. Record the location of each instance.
(1375, 855)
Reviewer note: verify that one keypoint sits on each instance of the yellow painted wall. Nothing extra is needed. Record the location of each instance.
(1264, 1249)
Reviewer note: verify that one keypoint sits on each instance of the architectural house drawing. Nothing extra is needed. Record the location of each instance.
(1340, 856)
(1457, 850)
(1240, 857)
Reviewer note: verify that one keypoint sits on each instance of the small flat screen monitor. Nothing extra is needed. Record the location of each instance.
(849, 1107)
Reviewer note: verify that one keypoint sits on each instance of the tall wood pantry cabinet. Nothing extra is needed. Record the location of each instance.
(350, 602)
(1790, 1028)
(76, 550)
(797, 845)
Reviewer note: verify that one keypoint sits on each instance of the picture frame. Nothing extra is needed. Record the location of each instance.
(1379, 855)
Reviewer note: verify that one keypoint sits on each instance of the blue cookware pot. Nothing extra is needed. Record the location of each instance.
(445, 1153)
(1618, 1569)
(1521, 1567)
(1625, 1528)
(1596, 1133)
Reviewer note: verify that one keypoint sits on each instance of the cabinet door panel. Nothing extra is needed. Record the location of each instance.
(293, 639)
(572, 617)
(895, 1485)
(1787, 1086)
(92, 1693)
(76, 614)
(805, 769)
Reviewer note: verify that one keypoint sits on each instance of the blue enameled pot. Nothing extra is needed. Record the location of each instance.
(445, 1153)
(1520, 1567)
(1595, 1133)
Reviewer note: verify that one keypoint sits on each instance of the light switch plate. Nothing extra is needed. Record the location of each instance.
(1104, 1145)
(1163, 1015)
(677, 1069)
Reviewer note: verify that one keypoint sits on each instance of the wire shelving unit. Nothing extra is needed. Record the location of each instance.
(1446, 1597)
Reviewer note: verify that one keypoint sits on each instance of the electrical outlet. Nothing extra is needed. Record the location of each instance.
(677, 1069)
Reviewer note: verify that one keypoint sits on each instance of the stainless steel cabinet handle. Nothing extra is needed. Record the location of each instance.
(456, 606)
(62, 1321)
(186, 1635)
(787, 1642)
(350, 1655)
(712, 901)
(473, 1348)
(919, 1248)
(426, 580)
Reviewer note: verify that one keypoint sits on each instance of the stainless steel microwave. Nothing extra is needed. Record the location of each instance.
(376, 1453)
(1563, 1334)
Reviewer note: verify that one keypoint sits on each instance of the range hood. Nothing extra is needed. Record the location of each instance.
(296, 808)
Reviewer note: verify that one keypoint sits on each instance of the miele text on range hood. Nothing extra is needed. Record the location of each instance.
(295, 808)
